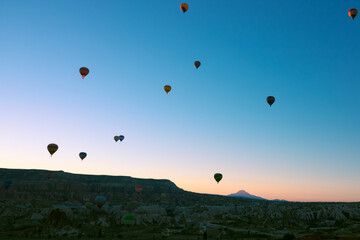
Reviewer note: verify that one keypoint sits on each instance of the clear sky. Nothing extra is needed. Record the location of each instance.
(305, 53)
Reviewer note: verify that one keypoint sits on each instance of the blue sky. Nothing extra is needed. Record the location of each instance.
(215, 119)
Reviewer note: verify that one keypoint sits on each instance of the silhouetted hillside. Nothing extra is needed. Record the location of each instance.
(34, 185)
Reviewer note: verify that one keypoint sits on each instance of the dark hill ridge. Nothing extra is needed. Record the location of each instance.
(34, 185)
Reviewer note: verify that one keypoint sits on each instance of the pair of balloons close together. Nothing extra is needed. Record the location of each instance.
(117, 138)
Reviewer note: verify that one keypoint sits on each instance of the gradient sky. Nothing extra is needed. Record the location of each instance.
(215, 119)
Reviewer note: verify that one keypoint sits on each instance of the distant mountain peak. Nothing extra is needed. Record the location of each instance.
(244, 194)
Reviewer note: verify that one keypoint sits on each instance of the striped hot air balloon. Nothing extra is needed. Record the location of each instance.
(52, 148)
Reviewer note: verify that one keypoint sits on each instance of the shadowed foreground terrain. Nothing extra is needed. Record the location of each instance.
(36, 207)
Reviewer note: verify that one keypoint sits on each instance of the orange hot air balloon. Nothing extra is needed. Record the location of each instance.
(270, 100)
(197, 64)
(138, 189)
(184, 7)
(352, 13)
(167, 88)
(52, 148)
(84, 71)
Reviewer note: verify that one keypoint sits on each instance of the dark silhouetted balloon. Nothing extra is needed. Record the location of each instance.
(52, 148)
(116, 138)
(121, 137)
(352, 13)
(197, 64)
(84, 71)
(270, 100)
(218, 177)
(82, 155)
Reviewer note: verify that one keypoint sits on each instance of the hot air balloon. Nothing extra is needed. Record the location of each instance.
(138, 189)
(48, 175)
(86, 199)
(352, 13)
(116, 138)
(88, 205)
(100, 201)
(52, 148)
(129, 220)
(270, 100)
(197, 64)
(121, 137)
(184, 7)
(167, 88)
(163, 196)
(84, 71)
(82, 155)
(218, 177)
(7, 184)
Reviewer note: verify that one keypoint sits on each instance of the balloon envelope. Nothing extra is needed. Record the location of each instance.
(138, 189)
(116, 138)
(84, 71)
(184, 7)
(88, 205)
(197, 64)
(218, 177)
(82, 155)
(121, 137)
(52, 148)
(129, 220)
(352, 13)
(163, 195)
(167, 88)
(270, 100)
(100, 201)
